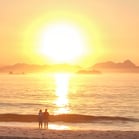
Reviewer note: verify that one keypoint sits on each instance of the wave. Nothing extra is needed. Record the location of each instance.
(71, 118)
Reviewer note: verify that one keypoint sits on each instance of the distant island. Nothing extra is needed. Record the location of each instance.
(22, 68)
(109, 66)
(126, 66)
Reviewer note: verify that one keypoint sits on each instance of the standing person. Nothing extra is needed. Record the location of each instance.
(46, 118)
(40, 118)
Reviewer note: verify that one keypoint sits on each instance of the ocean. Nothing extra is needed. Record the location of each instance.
(112, 100)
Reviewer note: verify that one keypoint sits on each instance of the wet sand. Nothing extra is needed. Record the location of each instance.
(35, 133)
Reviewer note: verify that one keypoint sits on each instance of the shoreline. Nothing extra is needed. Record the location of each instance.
(35, 133)
(70, 118)
(72, 122)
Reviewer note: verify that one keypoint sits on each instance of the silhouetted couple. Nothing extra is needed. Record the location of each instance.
(43, 118)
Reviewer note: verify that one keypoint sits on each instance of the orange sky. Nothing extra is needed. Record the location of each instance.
(112, 26)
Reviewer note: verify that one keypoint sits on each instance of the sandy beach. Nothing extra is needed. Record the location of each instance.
(35, 133)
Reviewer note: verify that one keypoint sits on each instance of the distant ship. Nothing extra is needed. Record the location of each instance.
(11, 72)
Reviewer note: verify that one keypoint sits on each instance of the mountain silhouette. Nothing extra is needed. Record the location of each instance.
(34, 68)
(109, 66)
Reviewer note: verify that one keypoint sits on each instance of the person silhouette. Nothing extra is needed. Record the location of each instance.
(46, 118)
(40, 118)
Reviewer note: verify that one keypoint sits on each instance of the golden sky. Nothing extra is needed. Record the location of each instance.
(101, 30)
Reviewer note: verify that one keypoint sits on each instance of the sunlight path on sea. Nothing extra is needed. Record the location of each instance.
(62, 89)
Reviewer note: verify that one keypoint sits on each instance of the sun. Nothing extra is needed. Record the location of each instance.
(62, 42)
(62, 37)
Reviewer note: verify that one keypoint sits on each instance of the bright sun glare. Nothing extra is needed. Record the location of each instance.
(62, 42)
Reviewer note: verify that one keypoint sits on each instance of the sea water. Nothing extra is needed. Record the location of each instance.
(110, 95)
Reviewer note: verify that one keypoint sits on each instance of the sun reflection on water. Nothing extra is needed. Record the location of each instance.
(62, 87)
(59, 127)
